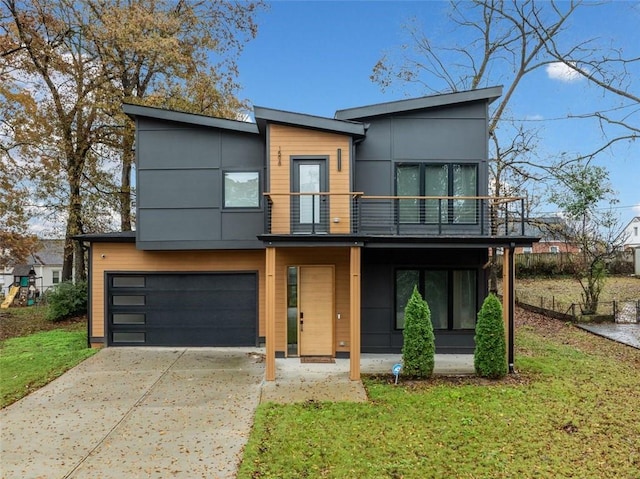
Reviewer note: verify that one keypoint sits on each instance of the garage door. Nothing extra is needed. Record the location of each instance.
(196, 309)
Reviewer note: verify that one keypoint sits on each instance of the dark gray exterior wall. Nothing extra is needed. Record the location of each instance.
(447, 134)
(378, 333)
(180, 187)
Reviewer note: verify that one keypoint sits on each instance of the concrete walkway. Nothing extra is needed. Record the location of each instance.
(297, 382)
(626, 333)
(136, 413)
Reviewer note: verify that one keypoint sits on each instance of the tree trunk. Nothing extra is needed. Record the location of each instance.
(125, 180)
(73, 255)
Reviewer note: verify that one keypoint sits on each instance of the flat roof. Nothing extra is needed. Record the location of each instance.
(399, 106)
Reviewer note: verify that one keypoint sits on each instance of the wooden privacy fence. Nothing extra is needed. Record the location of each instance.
(620, 311)
(548, 264)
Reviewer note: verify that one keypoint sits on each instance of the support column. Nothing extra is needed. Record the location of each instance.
(270, 300)
(508, 302)
(354, 313)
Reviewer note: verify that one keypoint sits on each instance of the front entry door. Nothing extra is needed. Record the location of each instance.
(309, 212)
(315, 311)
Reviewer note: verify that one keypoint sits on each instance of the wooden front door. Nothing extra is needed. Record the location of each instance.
(315, 311)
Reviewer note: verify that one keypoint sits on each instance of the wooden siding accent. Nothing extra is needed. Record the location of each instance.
(286, 142)
(124, 257)
(270, 291)
(315, 301)
(337, 256)
(354, 293)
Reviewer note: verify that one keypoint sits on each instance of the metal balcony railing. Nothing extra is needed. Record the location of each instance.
(356, 213)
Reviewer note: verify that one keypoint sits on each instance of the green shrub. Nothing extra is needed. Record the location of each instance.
(419, 347)
(66, 300)
(490, 357)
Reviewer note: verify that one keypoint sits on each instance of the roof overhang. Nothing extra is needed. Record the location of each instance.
(115, 237)
(268, 115)
(139, 111)
(446, 99)
(403, 241)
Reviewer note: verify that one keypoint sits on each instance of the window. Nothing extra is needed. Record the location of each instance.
(635, 231)
(129, 318)
(128, 281)
(241, 189)
(56, 276)
(527, 249)
(424, 179)
(128, 300)
(554, 249)
(451, 295)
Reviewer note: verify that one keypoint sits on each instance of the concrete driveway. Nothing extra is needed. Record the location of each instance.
(136, 413)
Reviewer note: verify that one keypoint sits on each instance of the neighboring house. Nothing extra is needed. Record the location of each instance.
(549, 230)
(631, 233)
(304, 233)
(46, 264)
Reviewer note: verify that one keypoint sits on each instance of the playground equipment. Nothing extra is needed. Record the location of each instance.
(13, 291)
(23, 292)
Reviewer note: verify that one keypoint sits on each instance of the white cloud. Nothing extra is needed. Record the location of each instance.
(636, 209)
(560, 71)
(535, 117)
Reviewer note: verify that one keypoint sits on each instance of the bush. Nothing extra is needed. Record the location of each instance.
(490, 357)
(66, 300)
(419, 347)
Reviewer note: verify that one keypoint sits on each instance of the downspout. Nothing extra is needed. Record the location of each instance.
(89, 288)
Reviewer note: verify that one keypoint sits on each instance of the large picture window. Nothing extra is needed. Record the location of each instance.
(451, 295)
(427, 179)
(241, 189)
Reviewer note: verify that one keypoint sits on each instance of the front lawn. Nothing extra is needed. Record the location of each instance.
(572, 411)
(30, 361)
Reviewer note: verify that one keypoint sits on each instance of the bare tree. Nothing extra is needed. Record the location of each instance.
(505, 42)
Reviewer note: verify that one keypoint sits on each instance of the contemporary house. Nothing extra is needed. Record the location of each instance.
(306, 234)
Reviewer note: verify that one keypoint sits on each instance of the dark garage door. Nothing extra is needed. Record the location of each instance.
(196, 309)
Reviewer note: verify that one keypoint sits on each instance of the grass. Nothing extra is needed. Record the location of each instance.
(617, 288)
(572, 411)
(32, 360)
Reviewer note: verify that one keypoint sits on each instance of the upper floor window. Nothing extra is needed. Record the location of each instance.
(443, 180)
(55, 278)
(241, 189)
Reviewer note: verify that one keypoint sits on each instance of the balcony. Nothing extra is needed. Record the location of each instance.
(354, 213)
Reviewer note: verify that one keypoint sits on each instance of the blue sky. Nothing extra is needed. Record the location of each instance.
(317, 57)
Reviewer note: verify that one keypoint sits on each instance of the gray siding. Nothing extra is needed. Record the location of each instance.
(180, 186)
(378, 289)
(448, 134)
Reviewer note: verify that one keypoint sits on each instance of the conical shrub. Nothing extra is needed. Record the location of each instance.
(419, 347)
(490, 357)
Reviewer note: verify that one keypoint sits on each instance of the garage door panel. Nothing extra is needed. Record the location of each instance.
(198, 300)
(213, 309)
